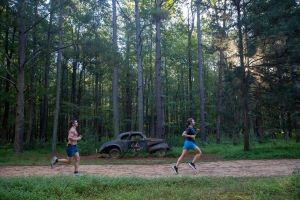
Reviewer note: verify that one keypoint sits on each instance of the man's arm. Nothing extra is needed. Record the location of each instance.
(73, 137)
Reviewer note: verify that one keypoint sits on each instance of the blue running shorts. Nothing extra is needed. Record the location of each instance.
(189, 145)
(71, 150)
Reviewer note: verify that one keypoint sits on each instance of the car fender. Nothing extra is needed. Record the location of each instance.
(105, 148)
(159, 147)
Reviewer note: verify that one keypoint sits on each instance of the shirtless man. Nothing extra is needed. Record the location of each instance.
(72, 150)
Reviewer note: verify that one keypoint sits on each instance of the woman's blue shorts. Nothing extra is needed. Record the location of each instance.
(189, 145)
(71, 150)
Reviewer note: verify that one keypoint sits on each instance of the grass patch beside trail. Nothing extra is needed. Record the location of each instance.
(39, 156)
(96, 187)
(271, 150)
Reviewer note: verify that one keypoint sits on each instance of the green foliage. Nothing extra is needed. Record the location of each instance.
(88, 187)
(272, 38)
(90, 142)
(273, 149)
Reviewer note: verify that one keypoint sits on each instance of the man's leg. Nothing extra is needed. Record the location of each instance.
(77, 160)
(183, 154)
(63, 160)
(197, 154)
(55, 160)
(196, 157)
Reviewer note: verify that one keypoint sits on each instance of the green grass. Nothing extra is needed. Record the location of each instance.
(96, 187)
(272, 150)
(40, 156)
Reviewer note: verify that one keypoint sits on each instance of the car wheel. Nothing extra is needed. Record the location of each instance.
(114, 153)
(161, 153)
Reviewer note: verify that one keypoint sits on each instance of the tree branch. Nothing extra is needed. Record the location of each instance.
(125, 15)
(13, 83)
(41, 19)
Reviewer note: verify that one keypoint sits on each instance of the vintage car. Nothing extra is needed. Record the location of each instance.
(133, 142)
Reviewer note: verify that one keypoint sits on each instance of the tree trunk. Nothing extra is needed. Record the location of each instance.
(244, 84)
(32, 99)
(9, 53)
(140, 68)
(61, 135)
(166, 113)
(158, 92)
(151, 89)
(220, 94)
(58, 83)
(190, 64)
(258, 124)
(200, 67)
(74, 73)
(222, 65)
(19, 126)
(128, 91)
(296, 114)
(96, 121)
(289, 124)
(81, 83)
(115, 78)
(44, 108)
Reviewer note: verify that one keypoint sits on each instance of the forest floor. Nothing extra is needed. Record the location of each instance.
(208, 167)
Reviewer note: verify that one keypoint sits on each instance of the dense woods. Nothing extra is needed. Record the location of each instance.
(121, 65)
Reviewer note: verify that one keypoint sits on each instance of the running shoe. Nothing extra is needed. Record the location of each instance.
(192, 165)
(77, 174)
(53, 161)
(175, 169)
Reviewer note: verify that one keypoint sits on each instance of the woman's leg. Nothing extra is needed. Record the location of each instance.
(197, 154)
(183, 154)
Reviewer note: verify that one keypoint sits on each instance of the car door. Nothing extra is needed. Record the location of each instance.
(124, 142)
(137, 142)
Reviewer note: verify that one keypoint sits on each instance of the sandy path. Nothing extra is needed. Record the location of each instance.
(235, 168)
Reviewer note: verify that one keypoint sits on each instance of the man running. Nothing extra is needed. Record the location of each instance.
(189, 144)
(72, 150)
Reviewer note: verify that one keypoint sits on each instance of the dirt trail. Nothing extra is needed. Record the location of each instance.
(237, 168)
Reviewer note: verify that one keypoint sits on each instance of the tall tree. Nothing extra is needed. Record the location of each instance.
(19, 126)
(158, 90)
(190, 64)
(296, 89)
(128, 88)
(115, 78)
(44, 106)
(59, 76)
(9, 50)
(140, 68)
(200, 68)
(32, 96)
(221, 47)
(244, 82)
(74, 71)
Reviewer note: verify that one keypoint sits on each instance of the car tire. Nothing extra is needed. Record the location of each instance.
(114, 153)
